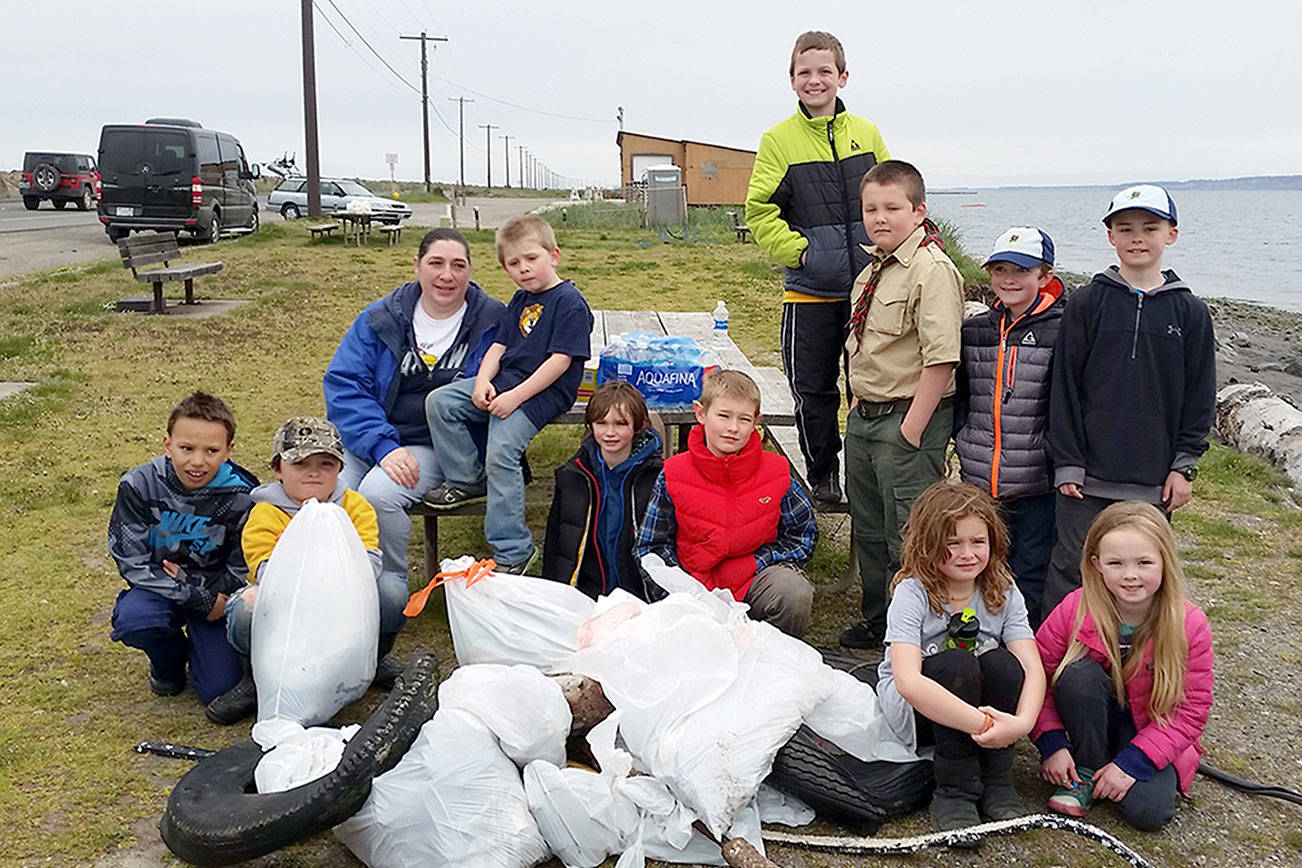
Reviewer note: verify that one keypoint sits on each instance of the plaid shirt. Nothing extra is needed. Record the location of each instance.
(797, 529)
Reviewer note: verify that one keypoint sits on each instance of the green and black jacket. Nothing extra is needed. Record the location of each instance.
(804, 197)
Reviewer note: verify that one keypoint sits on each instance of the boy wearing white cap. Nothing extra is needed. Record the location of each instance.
(1134, 383)
(1001, 409)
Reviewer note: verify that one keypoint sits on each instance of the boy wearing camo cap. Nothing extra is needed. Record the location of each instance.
(306, 456)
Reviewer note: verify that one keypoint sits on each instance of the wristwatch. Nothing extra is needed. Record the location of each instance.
(1190, 473)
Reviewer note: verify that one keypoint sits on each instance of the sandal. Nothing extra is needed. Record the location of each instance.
(1075, 801)
(450, 496)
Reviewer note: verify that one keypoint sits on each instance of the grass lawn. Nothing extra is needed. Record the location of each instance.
(72, 703)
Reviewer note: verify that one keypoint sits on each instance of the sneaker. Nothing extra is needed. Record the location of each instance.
(864, 634)
(827, 491)
(521, 568)
(235, 704)
(1075, 801)
(166, 686)
(387, 672)
(449, 496)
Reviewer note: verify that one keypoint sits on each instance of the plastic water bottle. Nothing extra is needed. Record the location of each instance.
(720, 323)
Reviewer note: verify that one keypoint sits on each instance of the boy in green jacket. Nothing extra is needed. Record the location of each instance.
(803, 208)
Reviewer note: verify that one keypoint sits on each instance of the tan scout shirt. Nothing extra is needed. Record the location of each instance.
(915, 320)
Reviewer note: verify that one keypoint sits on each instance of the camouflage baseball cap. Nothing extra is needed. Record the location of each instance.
(302, 436)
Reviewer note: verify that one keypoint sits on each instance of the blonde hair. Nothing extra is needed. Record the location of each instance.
(935, 514)
(812, 39)
(729, 384)
(525, 227)
(1163, 626)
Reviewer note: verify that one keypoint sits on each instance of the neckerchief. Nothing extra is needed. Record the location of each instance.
(931, 235)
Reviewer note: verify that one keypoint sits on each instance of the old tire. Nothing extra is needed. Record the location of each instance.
(46, 177)
(31, 203)
(214, 817)
(289, 211)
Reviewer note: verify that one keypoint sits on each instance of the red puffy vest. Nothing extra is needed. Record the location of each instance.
(726, 507)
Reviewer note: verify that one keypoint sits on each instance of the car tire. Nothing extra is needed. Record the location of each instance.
(31, 203)
(115, 235)
(214, 232)
(59, 204)
(86, 201)
(214, 816)
(289, 211)
(254, 221)
(46, 178)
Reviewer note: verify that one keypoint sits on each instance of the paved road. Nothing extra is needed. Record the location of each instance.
(45, 238)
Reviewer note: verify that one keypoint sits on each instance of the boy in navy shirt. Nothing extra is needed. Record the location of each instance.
(529, 376)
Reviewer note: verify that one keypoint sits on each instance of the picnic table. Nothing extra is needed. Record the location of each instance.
(357, 225)
(775, 397)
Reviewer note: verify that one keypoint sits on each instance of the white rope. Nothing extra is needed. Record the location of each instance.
(971, 835)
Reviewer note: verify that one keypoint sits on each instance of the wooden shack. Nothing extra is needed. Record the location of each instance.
(713, 174)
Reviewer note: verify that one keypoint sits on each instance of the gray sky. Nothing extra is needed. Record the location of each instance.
(974, 93)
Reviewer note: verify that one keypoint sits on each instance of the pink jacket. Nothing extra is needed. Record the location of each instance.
(1177, 742)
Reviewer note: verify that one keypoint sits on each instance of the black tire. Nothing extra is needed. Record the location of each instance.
(846, 661)
(254, 222)
(59, 204)
(214, 233)
(86, 200)
(290, 211)
(31, 203)
(116, 235)
(805, 770)
(46, 178)
(214, 817)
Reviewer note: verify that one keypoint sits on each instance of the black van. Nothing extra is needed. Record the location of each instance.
(173, 175)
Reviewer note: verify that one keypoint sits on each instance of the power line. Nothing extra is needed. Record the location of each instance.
(348, 44)
(522, 107)
(371, 47)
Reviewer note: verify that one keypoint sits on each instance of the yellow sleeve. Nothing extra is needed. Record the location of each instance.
(764, 217)
(363, 516)
(264, 526)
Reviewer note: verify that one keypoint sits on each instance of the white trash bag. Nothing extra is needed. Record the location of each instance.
(453, 799)
(316, 619)
(523, 708)
(503, 618)
(296, 756)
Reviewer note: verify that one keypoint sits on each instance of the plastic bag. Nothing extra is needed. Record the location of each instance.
(503, 618)
(707, 696)
(523, 708)
(453, 799)
(666, 370)
(850, 717)
(296, 756)
(316, 619)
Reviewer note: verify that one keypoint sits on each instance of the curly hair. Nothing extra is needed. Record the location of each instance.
(935, 514)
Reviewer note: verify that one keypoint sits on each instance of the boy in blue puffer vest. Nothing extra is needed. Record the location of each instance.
(1001, 407)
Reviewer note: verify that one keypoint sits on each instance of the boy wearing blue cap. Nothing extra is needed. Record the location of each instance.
(1134, 383)
(1001, 411)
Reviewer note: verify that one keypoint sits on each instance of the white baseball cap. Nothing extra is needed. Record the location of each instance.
(1145, 197)
(1024, 246)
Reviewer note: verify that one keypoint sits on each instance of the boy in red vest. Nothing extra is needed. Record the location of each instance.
(730, 514)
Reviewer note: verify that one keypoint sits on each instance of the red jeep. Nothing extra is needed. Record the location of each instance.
(61, 178)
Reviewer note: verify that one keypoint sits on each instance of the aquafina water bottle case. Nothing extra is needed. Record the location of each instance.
(667, 370)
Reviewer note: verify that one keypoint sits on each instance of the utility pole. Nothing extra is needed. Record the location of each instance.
(506, 153)
(520, 154)
(309, 113)
(620, 117)
(461, 133)
(424, 93)
(488, 148)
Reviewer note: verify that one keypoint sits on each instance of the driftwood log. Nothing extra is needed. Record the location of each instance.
(1253, 419)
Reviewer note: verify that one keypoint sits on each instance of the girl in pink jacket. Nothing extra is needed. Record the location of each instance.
(1131, 674)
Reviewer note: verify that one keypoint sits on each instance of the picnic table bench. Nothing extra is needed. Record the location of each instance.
(149, 248)
(741, 229)
(322, 229)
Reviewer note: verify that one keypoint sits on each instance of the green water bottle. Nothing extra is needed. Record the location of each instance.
(963, 630)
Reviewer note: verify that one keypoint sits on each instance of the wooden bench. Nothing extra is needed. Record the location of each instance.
(742, 230)
(393, 233)
(154, 247)
(322, 229)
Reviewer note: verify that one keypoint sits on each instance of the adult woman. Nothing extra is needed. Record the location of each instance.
(401, 347)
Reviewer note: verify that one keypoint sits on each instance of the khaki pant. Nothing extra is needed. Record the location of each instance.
(782, 596)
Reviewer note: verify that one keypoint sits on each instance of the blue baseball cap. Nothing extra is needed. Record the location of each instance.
(1024, 246)
(1144, 197)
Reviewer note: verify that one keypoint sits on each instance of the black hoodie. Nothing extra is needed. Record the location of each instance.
(1134, 386)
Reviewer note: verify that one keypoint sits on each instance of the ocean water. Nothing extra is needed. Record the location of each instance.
(1237, 244)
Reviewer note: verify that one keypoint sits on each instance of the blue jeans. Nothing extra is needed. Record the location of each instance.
(153, 623)
(391, 500)
(239, 614)
(450, 411)
(1031, 536)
